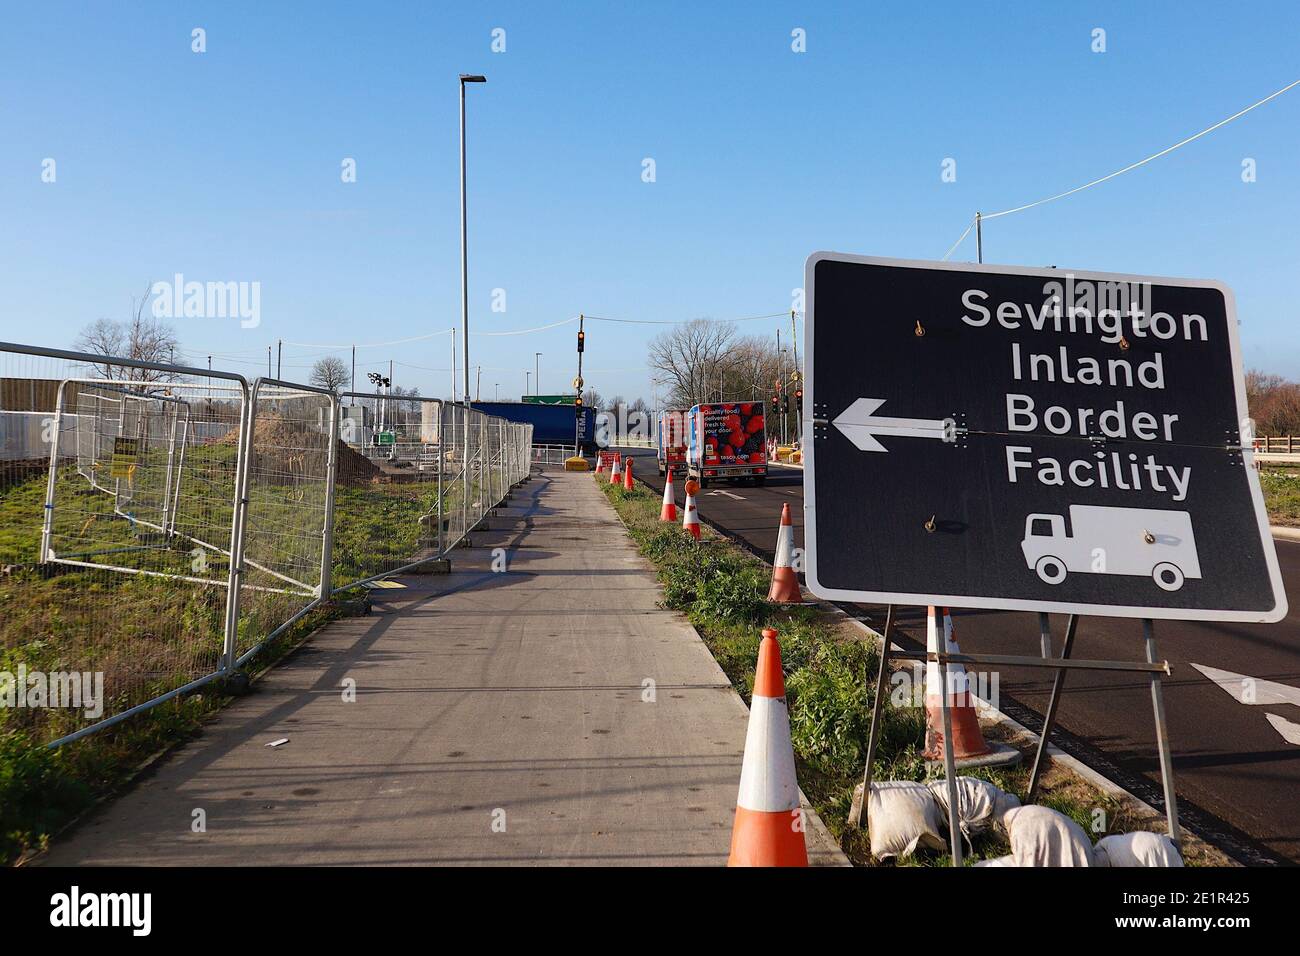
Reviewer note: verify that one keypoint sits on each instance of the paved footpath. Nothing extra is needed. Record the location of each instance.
(498, 719)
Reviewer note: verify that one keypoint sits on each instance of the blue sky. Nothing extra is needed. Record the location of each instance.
(225, 166)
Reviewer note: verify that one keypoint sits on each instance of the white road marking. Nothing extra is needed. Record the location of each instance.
(1290, 731)
(727, 493)
(1249, 690)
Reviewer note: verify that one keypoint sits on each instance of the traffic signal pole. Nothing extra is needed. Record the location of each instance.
(577, 386)
(798, 383)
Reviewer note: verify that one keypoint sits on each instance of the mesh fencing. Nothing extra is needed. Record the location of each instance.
(159, 524)
(415, 477)
(116, 506)
(283, 540)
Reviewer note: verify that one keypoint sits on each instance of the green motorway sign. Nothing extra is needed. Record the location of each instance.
(547, 399)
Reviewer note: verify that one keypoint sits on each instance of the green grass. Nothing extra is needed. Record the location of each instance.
(151, 634)
(1281, 495)
(146, 634)
(830, 675)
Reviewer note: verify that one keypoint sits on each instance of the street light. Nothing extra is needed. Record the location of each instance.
(537, 373)
(464, 265)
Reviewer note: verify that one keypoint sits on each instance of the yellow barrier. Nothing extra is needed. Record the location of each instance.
(576, 463)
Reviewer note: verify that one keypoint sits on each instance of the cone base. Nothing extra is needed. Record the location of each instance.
(999, 755)
(785, 587)
(760, 838)
(967, 740)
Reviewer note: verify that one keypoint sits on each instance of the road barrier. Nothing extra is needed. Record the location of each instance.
(159, 524)
(550, 454)
(1283, 445)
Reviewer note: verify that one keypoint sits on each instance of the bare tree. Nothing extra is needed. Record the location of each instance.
(141, 338)
(593, 399)
(692, 360)
(330, 372)
(1274, 403)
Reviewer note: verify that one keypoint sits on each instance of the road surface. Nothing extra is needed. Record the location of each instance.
(1237, 776)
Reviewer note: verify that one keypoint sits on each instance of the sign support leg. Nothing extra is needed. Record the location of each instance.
(857, 811)
(1162, 735)
(1058, 684)
(949, 761)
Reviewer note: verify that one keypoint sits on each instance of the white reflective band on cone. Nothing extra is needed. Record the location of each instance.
(767, 778)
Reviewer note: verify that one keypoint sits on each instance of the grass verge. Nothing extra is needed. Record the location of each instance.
(1281, 494)
(42, 791)
(830, 672)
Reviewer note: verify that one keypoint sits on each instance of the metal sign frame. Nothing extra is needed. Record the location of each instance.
(811, 417)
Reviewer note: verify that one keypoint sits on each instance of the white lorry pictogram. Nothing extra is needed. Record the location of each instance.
(1104, 540)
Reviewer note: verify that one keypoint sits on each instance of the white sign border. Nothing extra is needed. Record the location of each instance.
(1277, 613)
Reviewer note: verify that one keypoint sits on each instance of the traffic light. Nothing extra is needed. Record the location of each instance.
(577, 405)
(582, 339)
(776, 403)
(798, 397)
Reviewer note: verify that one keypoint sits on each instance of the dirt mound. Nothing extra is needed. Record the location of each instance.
(287, 446)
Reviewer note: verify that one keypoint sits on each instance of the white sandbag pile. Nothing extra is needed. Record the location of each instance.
(902, 816)
(980, 804)
(1040, 836)
(1142, 848)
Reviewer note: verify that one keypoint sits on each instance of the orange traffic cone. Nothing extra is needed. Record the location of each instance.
(669, 511)
(615, 473)
(691, 518)
(768, 830)
(969, 747)
(600, 462)
(785, 583)
(627, 475)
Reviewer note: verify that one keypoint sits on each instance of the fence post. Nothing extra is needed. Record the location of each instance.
(442, 451)
(248, 421)
(47, 523)
(331, 478)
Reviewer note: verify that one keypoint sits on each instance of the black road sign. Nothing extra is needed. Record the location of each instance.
(1030, 439)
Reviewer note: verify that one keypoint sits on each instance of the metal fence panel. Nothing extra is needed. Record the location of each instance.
(390, 497)
(158, 524)
(283, 538)
(114, 537)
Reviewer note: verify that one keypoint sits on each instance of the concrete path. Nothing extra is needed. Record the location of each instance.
(499, 719)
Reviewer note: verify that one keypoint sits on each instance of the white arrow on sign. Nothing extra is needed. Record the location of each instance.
(860, 426)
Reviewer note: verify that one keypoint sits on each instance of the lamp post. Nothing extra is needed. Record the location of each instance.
(537, 373)
(464, 263)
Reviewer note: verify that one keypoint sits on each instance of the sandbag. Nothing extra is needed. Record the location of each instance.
(998, 861)
(1142, 848)
(1041, 836)
(979, 803)
(902, 816)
